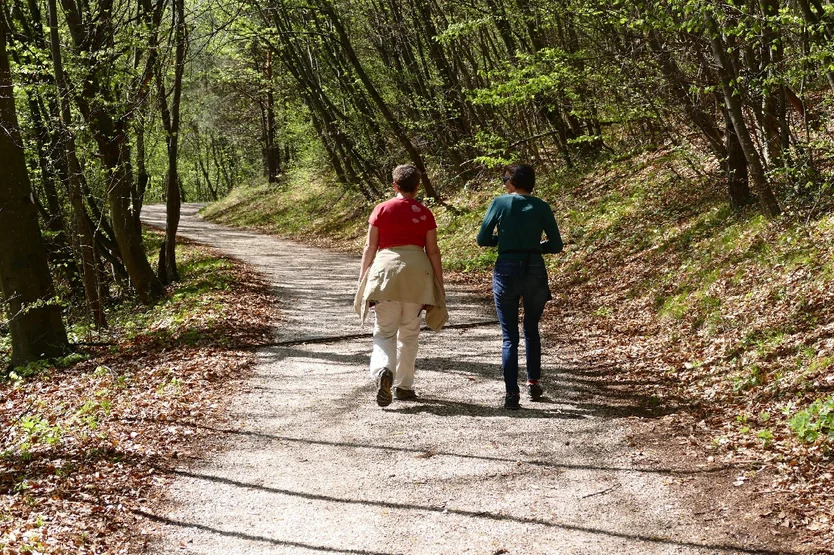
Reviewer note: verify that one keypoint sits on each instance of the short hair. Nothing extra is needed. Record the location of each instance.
(406, 177)
(522, 176)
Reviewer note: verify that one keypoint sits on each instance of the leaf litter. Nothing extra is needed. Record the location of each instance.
(84, 448)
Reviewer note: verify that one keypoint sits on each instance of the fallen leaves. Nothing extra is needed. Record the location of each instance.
(726, 324)
(85, 447)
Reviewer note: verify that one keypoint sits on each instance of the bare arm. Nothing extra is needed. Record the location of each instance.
(369, 253)
(433, 251)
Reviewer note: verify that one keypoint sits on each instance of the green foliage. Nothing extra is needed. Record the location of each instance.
(92, 409)
(814, 422)
(748, 379)
(181, 315)
(36, 431)
(307, 204)
(675, 306)
(34, 368)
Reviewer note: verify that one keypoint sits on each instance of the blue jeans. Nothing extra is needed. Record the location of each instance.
(525, 280)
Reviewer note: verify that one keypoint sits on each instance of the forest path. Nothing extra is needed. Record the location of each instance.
(310, 463)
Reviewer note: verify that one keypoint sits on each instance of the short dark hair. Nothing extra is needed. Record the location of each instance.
(406, 177)
(522, 176)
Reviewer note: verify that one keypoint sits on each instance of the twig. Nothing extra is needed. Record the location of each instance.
(603, 492)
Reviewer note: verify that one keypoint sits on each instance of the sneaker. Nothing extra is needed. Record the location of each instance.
(535, 390)
(383, 383)
(511, 401)
(404, 394)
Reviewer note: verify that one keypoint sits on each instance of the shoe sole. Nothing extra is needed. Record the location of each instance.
(383, 394)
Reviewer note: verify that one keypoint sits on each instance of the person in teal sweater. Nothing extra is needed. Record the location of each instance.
(520, 275)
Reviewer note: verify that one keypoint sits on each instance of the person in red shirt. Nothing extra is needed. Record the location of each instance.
(402, 272)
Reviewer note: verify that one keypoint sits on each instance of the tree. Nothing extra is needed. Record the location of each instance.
(93, 36)
(73, 178)
(36, 326)
(171, 122)
(728, 74)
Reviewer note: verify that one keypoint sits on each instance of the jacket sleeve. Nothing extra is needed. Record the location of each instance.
(486, 237)
(554, 244)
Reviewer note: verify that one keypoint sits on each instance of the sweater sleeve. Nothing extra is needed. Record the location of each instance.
(554, 244)
(486, 237)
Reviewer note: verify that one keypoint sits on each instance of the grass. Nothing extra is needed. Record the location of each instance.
(308, 204)
(191, 304)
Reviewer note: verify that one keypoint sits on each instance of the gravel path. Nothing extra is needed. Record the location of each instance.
(309, 463)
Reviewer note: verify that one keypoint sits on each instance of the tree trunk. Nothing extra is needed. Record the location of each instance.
(272, 154)
(37, 330)
(86, 236)
(678, 86)
(823, 35)
(735, 167)
(142, 177)
(396, 128)
(767, 200)
(111, 135)
(171, 121)
(771, 51)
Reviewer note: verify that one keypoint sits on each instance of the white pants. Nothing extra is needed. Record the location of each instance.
(396, 328)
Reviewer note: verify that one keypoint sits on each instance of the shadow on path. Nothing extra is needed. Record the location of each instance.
(471, 514)
(242, 536)
(434, 453)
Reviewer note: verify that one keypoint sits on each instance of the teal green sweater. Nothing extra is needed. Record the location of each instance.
(520, 219)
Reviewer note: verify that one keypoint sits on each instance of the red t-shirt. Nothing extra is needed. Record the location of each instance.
(402, 221)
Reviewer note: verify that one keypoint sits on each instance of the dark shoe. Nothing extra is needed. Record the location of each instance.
(404, 394)
(535, 391)
(383, 383)
(511, 401)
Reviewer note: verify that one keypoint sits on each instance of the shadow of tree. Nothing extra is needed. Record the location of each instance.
(485, 515)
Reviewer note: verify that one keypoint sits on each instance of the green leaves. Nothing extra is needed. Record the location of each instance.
(815, 422)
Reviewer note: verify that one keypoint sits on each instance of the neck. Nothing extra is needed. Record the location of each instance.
(406, 195)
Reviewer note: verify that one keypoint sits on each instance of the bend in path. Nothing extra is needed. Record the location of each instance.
(310, 464)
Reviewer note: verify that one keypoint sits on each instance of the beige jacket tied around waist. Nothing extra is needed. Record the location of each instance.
(403, 274)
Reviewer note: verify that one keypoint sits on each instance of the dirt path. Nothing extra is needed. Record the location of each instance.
(309, 463)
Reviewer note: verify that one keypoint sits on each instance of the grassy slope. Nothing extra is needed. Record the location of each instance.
(726, 314)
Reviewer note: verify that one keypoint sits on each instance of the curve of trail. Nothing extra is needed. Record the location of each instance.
(310, 464)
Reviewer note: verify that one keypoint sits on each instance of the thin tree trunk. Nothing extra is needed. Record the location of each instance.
(142, 177)
(86, 236)
(272, 153)
(767, 200)
(171, 121)
(735, 167)
(394, 124)
(813, 18)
